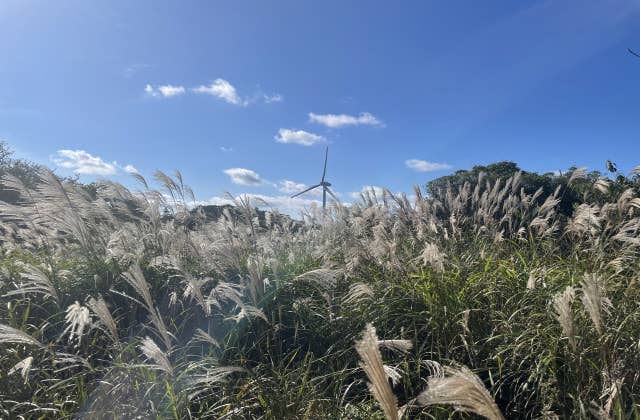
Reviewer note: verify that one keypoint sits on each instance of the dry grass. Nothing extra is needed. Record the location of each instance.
(254, 315)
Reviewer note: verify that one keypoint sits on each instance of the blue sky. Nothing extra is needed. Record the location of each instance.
(242, 96)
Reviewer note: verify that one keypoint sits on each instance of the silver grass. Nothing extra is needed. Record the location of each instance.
(586, 220)
(431, 255)
(141, 180)
(212, 376)
(216, 374)
(193, 291)
(461, 389)
(161, 328)
(77, 319)
(100, 309)
(225, 292)
(136, 280)
(323, 278)
(401, 346)
(255, 283)
(10, 335)
(24, 367)
(248, 312)
(152, 352)
(577, 174)
(173, 299)
(36, 280)
(66, 361)
(635, 202)
(393, 373)
(611, 393)
(562, 303)
(602, 185)
(435, 369)
(371, 363)
(624, 200)
(358, 292)
(202, 336)
(593, 299)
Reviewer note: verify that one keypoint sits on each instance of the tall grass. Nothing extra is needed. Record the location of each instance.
(489, 302)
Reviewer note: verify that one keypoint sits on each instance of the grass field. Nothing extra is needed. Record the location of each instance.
(485, 302)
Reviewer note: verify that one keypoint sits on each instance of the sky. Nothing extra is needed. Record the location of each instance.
(244, 96)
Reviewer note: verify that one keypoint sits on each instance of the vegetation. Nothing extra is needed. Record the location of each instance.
(492, 296)
(24, 170)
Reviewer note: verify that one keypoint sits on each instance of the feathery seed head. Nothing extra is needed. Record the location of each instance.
(367, 349)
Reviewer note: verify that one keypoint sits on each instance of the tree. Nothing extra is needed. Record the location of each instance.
(22, 169)
(573, 193)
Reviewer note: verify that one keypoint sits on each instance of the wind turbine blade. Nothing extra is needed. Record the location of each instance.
(332, 194)
(324, 198)
(308, 189)
(324, 171)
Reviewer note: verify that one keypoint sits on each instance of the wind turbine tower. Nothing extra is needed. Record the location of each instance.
(324, 184)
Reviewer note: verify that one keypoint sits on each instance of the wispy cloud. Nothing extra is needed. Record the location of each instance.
(224, 90)
(272, 98)
(219, 88)
(133, 69)
(424, 166)
(302, 137)
(343, 120)
(242, 176)
(130, 169)
(226, 149)
(84, 163)
(165, 91)
(291, 187)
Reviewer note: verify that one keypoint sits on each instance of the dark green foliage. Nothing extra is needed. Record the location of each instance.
(574, 193)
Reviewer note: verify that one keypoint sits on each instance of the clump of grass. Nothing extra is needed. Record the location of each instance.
(463, 390)
(369, 353)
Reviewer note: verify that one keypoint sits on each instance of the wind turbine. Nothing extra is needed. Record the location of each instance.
(324, 184)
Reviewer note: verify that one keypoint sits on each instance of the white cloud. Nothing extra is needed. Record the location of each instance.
(302, 137)
(226, 149)
(219, 88)
(166, 91)
(224, 90)
(84, 163)
(244, 176)
(342, 120)
(272, 98)
(291, 187)
(130, 169)
(424, 166)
